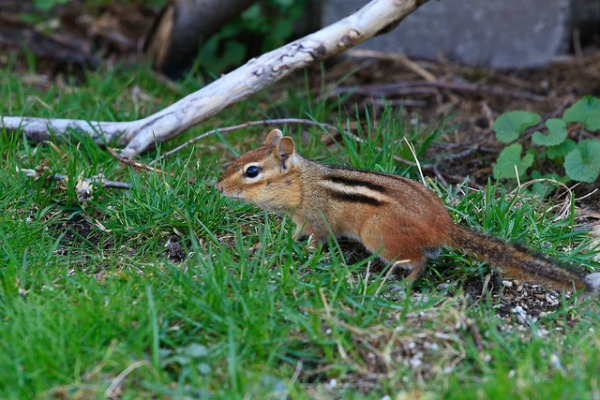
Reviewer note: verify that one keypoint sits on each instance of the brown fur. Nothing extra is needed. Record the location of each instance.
(398, 218)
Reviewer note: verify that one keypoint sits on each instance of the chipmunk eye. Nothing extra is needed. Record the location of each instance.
(252, 171)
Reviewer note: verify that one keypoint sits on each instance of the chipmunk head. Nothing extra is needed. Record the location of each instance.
(265, 176)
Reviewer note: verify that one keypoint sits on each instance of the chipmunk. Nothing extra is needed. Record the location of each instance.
(395, 217)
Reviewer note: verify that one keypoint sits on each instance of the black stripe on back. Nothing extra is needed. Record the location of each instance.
(354, 198)
(355, 182)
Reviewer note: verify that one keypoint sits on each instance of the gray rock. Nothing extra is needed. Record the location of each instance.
(502, 34)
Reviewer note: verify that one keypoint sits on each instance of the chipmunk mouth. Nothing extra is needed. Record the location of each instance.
(227, 194)
(221, 188)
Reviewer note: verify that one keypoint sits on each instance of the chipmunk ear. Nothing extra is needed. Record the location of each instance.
(285, 151)
(273, 137)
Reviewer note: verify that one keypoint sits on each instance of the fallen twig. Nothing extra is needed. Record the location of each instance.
(99, 179)
(264, 122)
(399, 57)
(141, 166)
(132, 163)
(411, 87)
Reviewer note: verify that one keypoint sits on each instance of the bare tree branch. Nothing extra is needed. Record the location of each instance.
(378, 16)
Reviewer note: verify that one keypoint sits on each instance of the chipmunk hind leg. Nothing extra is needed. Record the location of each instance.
(408, 244)
(413, 260)
(416, 267)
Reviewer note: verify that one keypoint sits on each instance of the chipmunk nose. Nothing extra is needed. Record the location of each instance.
(220, 187)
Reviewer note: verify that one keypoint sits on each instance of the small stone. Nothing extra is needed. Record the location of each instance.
(555, 361)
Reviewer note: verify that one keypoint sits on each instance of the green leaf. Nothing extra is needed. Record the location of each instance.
(510, 125)
(583, 163)
(557, 133)
(509, 161)
(585, 110)
(46, 5)
(284, 3)
(560, 151)
(546, 187)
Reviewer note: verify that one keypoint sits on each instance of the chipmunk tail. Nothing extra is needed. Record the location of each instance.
(518, 262)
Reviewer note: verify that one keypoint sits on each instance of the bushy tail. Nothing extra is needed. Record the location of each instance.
(520, 263)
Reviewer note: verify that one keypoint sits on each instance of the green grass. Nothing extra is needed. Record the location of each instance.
(91, 304)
